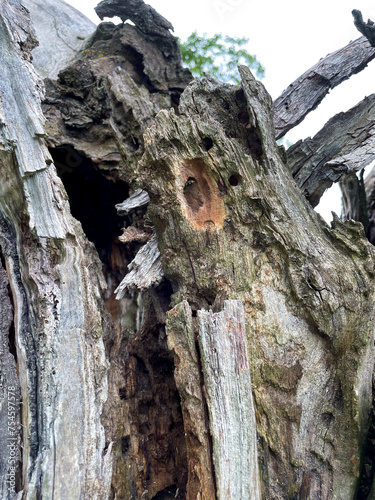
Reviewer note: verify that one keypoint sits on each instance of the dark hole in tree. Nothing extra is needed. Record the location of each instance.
(193, 194)
(92, 198)
(168, 493)
(234, 180)
(125, 444)
(207, 143)
(255, 144)
(243, 118)
(136, 59)
(122, 392)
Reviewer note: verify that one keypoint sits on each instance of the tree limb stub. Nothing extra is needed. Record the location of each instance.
(367, 29)
(306, 93)
(345, 144)
(142, 15)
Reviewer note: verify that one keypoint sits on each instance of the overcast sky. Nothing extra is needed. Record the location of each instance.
(287, 36)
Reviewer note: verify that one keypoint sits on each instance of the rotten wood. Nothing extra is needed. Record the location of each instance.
(145, 270)
(139, 199)
(225, 364)
(306, 93)
(345, 144)
(143, 15)
(367, 29)
(57, 340)
(354, 204)
(10, 397)
(181, 340)
(232, 224)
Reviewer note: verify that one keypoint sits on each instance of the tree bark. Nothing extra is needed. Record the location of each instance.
(223, 345)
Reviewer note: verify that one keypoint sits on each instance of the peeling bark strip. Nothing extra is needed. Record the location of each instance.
(222, 340)
(181, 340)
(345, 144)
(306, 93)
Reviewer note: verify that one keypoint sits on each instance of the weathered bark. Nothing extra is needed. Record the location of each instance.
(308, 360)
(308, 91)
(237, 360)
(346, 144)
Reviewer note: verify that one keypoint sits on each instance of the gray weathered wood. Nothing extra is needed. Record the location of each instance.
(145, 270)
(181, 340)
(61, 30)
(143, 15)
(345, 144)
(139, 199)
(367, 29)
(222, 340)
(61, 362)
(305, 93)
(354, 204)
(249, 234)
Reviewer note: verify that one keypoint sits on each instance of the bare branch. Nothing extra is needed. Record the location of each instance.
(367, 29)
(307, 92)
(345, 144)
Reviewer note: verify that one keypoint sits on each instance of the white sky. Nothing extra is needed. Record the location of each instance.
(288, 37)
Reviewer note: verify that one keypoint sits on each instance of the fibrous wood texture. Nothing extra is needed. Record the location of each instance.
(247, 233)
(225, 364)
(307, 92)
(238, 361)
(344, 145)
(55, 285)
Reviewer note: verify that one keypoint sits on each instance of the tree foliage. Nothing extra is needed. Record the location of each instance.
(219, 56)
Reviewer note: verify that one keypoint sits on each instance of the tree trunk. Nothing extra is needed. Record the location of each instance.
(223, 345)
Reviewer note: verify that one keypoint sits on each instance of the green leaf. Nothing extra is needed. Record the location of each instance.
(219, 56)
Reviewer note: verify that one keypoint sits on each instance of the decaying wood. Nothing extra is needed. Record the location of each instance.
(354, 202)
(345, 144)
(306, 93)
(143, 15)
(255, 296)
(145, 270)
(10, 396)
(139, 199)
(181, 340)
(59, 40)
(225, 364)
(310, 341)
(367, 29)
(55, 282)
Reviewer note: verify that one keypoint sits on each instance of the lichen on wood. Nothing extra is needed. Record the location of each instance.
(241, 287)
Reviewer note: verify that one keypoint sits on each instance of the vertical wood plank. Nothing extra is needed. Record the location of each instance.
(222, 341)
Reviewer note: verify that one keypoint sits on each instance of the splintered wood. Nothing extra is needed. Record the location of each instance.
(223, 346)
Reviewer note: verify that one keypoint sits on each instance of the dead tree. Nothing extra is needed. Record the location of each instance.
(222, 346)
